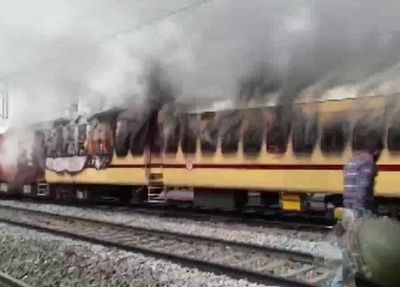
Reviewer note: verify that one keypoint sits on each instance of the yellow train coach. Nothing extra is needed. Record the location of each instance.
(265, 155)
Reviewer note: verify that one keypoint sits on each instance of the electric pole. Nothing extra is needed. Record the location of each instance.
(4, 98)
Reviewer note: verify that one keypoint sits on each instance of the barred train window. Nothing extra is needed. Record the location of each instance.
(334, 137)
(189, 135)
(366, 128)
(277, 138)
(304, 134)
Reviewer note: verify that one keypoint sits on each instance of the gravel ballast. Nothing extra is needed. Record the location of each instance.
(43, 260)
(318, 244)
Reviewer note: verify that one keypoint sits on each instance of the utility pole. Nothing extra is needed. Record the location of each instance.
(4, 98)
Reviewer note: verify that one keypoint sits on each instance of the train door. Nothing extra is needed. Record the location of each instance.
(154, 162)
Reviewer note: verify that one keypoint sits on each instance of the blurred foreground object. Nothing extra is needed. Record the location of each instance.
(370, 246)
(380, 250)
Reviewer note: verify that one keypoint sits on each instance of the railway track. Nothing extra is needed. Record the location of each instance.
(276, 220)
(8, 281)
(251, 219)
(239, 260)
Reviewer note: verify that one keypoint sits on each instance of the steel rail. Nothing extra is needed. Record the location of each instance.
(8, 281)
(186, 249)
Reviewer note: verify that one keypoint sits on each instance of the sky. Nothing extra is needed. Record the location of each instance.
(55, 51)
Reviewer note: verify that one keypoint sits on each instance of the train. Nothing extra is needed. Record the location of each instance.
(220, 155)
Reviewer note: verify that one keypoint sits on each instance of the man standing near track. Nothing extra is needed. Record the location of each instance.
(359, 178)
(358, 200)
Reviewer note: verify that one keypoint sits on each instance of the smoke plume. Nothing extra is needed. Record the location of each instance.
(62, 51)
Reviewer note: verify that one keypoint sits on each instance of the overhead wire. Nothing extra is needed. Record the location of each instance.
(129, 30)
(153, 21)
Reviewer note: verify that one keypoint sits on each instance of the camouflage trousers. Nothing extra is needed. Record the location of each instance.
(345, 274)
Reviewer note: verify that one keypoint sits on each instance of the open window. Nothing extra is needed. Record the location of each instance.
(277, 138)
(393, 140)
(368, 127)
(334, 137)
(209, 133)
(82, 139)
(189, 134)
(304, 133)
(122, 138)
(252, 141)
(139, 138)
(278, 130)
(59, 141)
(70, 147)
(105, 143)
(51, 143)
(171, 136)
(230, 132)
(253, 133)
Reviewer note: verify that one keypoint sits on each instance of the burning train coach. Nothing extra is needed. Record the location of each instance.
(224, 158)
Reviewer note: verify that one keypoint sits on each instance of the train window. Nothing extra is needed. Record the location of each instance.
(189, 135)
(82, 133)
(277, 138)
(70, 141)
(52, 144)
(70, 133)
(81, 139)
(252, 141)
(304, 134)
(171, 140)
(208, 141)
(230, 133)
(230, 141)
(393, 139)
(334, 137)
(152, 134)
(122, 138)
(209, 134)
(104, 143)
(138, 140)
(253, 133)
(59, 142)
(366, 129)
